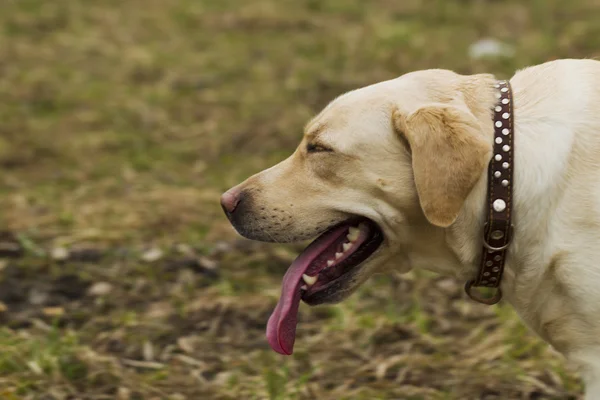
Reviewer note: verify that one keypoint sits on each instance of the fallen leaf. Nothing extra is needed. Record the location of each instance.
(153, 254)
(99, 289)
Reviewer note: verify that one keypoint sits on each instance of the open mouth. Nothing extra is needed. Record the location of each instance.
(326, 265)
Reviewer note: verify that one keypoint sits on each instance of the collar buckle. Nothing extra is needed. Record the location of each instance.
(500, 248)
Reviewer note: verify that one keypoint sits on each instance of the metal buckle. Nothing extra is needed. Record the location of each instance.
(484, 300)
(490, 247)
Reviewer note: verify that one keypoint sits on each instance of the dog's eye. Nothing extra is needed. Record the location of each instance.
(317, 148)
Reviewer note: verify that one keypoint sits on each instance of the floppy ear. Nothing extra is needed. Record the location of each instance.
(449, 155)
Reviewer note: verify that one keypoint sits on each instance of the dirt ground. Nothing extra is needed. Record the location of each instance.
(122, 121)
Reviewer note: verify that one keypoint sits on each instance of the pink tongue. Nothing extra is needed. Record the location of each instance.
(281, 328)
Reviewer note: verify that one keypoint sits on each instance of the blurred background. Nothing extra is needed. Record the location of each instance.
(122, 121)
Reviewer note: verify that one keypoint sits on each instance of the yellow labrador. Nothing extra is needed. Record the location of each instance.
(394, 175)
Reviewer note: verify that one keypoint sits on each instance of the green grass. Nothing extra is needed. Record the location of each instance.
(121, 122)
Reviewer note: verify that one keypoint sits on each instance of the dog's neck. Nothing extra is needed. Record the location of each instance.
(465, 237)
(463, 240)
(456, 251)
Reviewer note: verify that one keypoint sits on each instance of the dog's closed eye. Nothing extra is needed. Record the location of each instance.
(318, 148)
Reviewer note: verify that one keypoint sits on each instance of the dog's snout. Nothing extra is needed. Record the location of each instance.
(230, 200)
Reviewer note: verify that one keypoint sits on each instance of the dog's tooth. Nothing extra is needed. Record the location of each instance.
(353, 234)
(338, 255)
(330, 263)
(346, 246)
(310, 280)
(304, 287)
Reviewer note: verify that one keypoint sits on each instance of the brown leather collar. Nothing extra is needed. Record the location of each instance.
(498, 229)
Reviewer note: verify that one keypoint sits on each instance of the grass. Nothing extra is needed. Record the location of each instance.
(121, 122)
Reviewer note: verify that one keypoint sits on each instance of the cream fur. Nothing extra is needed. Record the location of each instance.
(552, 275)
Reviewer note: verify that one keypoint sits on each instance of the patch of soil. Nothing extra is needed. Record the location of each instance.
(10, 246)
(26, 296)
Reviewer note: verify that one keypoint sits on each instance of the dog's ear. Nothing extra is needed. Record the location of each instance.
(449, 155)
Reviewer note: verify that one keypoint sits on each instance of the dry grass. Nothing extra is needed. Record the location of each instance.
(120, 124)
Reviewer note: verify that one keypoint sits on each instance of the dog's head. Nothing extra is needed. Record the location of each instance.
(378, 175)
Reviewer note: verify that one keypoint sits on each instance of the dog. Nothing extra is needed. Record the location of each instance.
(394, 176)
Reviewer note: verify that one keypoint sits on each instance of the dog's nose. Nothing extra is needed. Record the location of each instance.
(230, 200)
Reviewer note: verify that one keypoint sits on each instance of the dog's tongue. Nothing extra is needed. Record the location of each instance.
(281, 328)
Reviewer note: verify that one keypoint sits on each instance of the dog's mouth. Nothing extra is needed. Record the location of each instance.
(320, 271)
